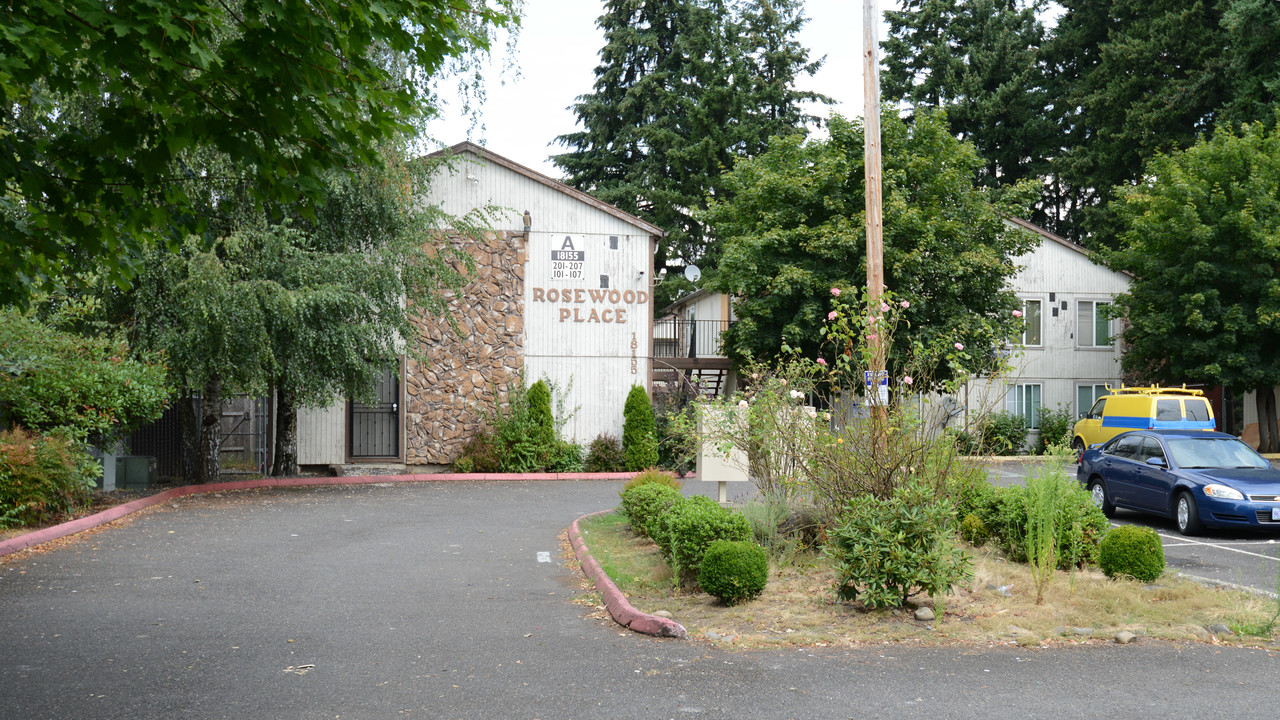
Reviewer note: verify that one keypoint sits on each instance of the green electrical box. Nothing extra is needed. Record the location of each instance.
(135, 472)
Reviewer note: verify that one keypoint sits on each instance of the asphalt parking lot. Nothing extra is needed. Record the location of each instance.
(1248, 560)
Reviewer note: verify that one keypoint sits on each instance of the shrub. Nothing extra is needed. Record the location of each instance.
(781, 524)
(542, 425)
(479, 454)
(1004, 434)
(1080, 525)
(42, 476)
(886, 550)
(973, 530)
(1132, 551)
(653, 475)
(604, 454)
(639, 439)
(685, 530)
(734, 571)
(1055, 428)
(566, 457)
(970, 489)
(642, 503)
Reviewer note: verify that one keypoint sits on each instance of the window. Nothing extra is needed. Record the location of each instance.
(1024, 401)
(1031, 322)
(1126, 446)
(1151, 449)
(1197, 409)
(1169, 410)
(1087, 395)
(1095, 326)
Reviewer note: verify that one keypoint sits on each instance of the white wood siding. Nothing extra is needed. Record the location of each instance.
(580, 316)
(588, 321)
(322, 435)
(1059, 365)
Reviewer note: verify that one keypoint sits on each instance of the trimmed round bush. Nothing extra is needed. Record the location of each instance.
(734, 571)
(1131, 551)
(685, 530)
(643, 502)
(973, 530)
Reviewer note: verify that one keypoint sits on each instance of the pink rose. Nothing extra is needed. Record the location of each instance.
(959, 346)
(821, 361)
(884, 307)
(905, 304)
(906, 380)
(831, 315)
(871, 337)
(1017, 313)
(835, 291)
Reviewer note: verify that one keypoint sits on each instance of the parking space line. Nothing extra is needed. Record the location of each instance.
(1188, 541)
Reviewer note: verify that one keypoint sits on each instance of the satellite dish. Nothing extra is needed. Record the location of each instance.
(692, 273)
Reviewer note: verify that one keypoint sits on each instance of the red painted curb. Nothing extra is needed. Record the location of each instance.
(620, 609)
(89, 522)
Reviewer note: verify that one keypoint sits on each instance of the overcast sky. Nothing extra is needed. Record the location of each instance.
(558, 51)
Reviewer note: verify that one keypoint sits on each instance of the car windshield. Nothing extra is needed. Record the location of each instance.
(1214, 453)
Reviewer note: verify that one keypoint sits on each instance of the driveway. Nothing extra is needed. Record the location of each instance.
(453, 601)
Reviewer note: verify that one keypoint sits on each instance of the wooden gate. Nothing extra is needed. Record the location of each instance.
(375, 429)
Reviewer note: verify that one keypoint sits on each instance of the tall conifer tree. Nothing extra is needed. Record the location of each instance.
(683, 88)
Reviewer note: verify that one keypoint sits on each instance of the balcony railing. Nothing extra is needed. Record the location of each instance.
(674, 338)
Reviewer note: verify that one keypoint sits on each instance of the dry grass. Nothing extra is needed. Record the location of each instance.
(997, 606)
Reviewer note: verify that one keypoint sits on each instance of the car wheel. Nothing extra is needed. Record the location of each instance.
(1098, 491)
(1187, 514)
(1077, 446)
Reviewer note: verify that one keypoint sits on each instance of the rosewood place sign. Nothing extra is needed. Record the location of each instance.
(590, 305)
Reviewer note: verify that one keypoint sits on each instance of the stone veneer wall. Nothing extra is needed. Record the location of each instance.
(447, 399)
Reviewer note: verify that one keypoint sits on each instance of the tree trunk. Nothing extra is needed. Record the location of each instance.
(1265, 402)
(211, 432)
(286, 454)
(189, 421)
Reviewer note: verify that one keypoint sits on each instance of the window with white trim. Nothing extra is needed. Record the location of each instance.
(1024, 401)
(1031, 322)
(1093, 323)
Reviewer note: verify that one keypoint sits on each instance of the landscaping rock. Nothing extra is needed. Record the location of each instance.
(1219, 629)
(924, 613)
(1083, 631)
(1124, 637)
(663, 614)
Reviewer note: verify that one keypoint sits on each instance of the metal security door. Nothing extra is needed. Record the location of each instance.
(375, 429)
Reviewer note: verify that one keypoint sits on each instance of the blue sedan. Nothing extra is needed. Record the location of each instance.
(1197, 478)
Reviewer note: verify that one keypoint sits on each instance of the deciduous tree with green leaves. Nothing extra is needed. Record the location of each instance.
(93, 389)
(103, 106)
(793, 230)
(1201, 236)
(309, 309)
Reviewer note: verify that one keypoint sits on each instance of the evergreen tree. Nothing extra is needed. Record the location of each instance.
(684, 87)
(980, 61)
(1139, 77)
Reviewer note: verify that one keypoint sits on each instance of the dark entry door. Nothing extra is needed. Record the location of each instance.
(375, 429)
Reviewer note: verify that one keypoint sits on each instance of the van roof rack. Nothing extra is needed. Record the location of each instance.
(1154, 390)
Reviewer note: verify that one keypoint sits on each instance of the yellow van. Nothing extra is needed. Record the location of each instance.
(1142, 408)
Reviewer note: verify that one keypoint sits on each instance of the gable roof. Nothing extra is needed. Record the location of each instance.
(1020, 223)
(490, 156)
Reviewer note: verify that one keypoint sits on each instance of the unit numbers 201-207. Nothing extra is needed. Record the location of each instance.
(562, 270)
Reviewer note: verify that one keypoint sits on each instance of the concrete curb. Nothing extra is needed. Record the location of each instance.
(614, 601)
(89, 522)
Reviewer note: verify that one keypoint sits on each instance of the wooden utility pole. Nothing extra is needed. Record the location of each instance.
(874, 211)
